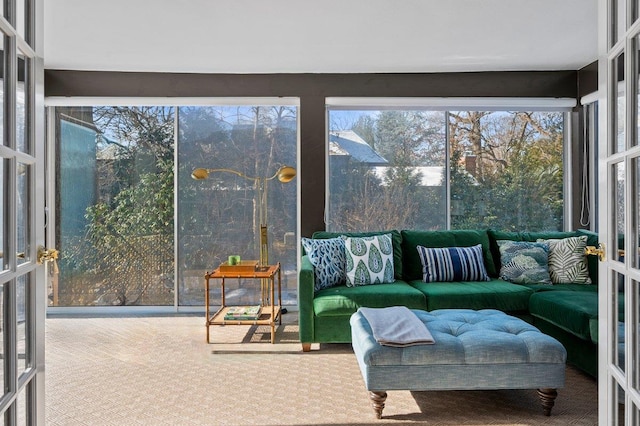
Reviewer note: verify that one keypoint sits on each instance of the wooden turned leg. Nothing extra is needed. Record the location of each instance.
(377, 402)
(306, 347)
(548, 398)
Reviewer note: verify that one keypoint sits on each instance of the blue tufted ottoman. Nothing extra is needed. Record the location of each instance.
(473, 350)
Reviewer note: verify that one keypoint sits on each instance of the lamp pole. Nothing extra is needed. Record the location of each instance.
(284, 174)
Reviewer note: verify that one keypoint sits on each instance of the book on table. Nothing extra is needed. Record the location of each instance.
(242, 313)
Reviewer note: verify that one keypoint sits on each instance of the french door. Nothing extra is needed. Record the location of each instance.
(22, 211)
(618, 212)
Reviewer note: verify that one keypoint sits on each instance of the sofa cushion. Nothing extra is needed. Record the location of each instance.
(494, 294)
(494, 236)
(523, 262)
(592, 261)
(328, 259)
(562, 287)
(567, 261)
(343, 300)
(396, 239)
(369, 260)
(452, 238)
(452, 264)
(572, 311)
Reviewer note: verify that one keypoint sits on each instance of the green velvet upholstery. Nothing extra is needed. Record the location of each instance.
(580, 353)
(562, 287)
(568, 312)
(396, 240)
(494, 294)
(332, 329)
(571, 311)
(454, 238)
(343, 300)
(306, 317)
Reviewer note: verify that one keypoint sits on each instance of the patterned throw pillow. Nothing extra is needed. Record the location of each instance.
(328, 259)
(369, 260)
(567, 261)
(452, 264)
(524, 262)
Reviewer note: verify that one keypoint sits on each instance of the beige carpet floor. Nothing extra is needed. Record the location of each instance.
(160, 371)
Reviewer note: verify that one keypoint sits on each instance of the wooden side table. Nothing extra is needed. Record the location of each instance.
(270, 312)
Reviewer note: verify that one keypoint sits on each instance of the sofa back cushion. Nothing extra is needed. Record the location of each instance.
(592, 240)
(532, 237)
(592, 261)
(396, 240)
(452, 238)
(567, 261)
(327, 255)
(369, 260)
(452, 264)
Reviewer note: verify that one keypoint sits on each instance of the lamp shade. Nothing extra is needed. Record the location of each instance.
(200, 174)
(286, 174)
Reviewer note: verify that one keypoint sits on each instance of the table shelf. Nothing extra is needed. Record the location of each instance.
(270, 312)
(266, 318)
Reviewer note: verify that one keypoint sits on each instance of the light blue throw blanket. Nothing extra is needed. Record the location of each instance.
(397, 326)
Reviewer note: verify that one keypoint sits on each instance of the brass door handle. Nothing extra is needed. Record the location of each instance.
(46, 255)
(592, 250)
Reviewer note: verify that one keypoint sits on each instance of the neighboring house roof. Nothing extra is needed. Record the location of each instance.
(347, 142)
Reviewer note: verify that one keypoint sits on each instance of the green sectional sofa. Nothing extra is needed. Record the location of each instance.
(566, 311)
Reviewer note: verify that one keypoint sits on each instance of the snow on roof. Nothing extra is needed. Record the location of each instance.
(347, 142)
(429, 175)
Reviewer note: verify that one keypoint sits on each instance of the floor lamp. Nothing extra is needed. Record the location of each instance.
(284, 174)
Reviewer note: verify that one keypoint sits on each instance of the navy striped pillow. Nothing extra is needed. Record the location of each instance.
(452, 264)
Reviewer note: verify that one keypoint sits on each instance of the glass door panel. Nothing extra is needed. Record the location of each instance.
(3, 101)
(4, 248)
(23, 322)
(21, 15)
(619, 412)
(618, 21)
(22, 105)
(634, 257)
(617, 322)
(3, 338)
(636, 78)
(23, 210)
(619, 208)
(619, 105)
(635, 334)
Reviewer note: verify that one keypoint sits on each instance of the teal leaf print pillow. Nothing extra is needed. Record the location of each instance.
(327, 258)
(524, 262)
(369, 260)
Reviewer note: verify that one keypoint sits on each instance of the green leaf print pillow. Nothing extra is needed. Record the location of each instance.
(369, 260)
(524, 262)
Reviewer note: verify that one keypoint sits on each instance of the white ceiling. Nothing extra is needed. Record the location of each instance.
(299, 36)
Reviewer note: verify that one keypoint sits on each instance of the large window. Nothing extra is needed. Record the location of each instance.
(219, 216)
(134, 227)
(439, 168)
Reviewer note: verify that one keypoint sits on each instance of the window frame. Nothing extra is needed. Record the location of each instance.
(448, 104)
(54, 101)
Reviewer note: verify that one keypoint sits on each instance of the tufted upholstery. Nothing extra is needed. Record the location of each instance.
(484, 349)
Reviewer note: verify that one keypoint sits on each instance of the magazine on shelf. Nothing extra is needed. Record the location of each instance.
(242, 313)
